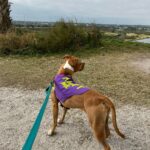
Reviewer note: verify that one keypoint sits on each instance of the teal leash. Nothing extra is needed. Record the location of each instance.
(33, 132)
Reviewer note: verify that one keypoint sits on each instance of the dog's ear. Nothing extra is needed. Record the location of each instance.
(67, 57)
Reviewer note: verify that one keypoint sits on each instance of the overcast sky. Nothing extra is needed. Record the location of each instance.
(96, 11)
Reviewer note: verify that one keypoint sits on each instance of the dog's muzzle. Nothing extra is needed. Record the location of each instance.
(68, 66)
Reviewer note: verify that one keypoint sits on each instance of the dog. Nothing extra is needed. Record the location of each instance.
(94, 104)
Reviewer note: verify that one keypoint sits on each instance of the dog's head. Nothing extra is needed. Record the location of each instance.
(73, 64)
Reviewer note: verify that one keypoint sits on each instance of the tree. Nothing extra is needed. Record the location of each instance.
(5, 19)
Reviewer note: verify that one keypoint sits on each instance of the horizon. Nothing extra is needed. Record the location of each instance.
(80, 23)
(111, 12)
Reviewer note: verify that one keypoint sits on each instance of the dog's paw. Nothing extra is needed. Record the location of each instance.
(50, 132)
(60, 121)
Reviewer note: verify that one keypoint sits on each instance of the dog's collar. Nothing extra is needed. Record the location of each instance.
(68, 66)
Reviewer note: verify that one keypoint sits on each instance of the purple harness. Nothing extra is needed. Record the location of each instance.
(65, 87)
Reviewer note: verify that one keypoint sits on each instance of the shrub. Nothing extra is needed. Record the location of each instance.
(94, 37)
(61, 37)
(11, 43)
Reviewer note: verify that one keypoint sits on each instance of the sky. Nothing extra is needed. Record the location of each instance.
(132, 12)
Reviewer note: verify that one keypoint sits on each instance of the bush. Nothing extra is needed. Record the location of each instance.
(68, 36)
(11, 43)
(94, 37)
(63, 36)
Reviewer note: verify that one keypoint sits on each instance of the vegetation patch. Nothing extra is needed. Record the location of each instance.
(62, 37)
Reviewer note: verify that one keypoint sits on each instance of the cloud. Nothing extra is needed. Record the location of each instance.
(83, 9)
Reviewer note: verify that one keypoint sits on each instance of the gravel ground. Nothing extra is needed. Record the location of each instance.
(19, 108)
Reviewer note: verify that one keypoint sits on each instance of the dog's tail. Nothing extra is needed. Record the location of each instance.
(112, 107)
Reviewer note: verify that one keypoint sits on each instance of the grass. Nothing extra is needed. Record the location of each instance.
(129, 36)
(108, 72)
(137, 36)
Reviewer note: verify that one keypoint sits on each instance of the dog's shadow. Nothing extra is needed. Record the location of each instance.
(79, 131)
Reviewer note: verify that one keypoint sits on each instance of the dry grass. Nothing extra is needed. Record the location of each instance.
(137, 36)
(110, 34)
(130, 36)
(109, 73)
(13, 41)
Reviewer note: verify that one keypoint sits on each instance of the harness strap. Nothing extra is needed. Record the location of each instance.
(63, 106)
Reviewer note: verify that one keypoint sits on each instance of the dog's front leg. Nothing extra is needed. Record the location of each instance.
(55, 113)
(61, 120)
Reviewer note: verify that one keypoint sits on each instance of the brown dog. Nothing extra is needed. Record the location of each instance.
(96, 105)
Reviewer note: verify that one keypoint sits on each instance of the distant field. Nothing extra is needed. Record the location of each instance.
(128, 35)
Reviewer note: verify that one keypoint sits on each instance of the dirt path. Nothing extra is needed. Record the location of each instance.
(142, 64)
(19, 107)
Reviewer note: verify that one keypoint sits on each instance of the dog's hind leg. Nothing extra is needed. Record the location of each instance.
(61, 120)
(55, 113)
(100, 133)
(97, 117)
(107, 130)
